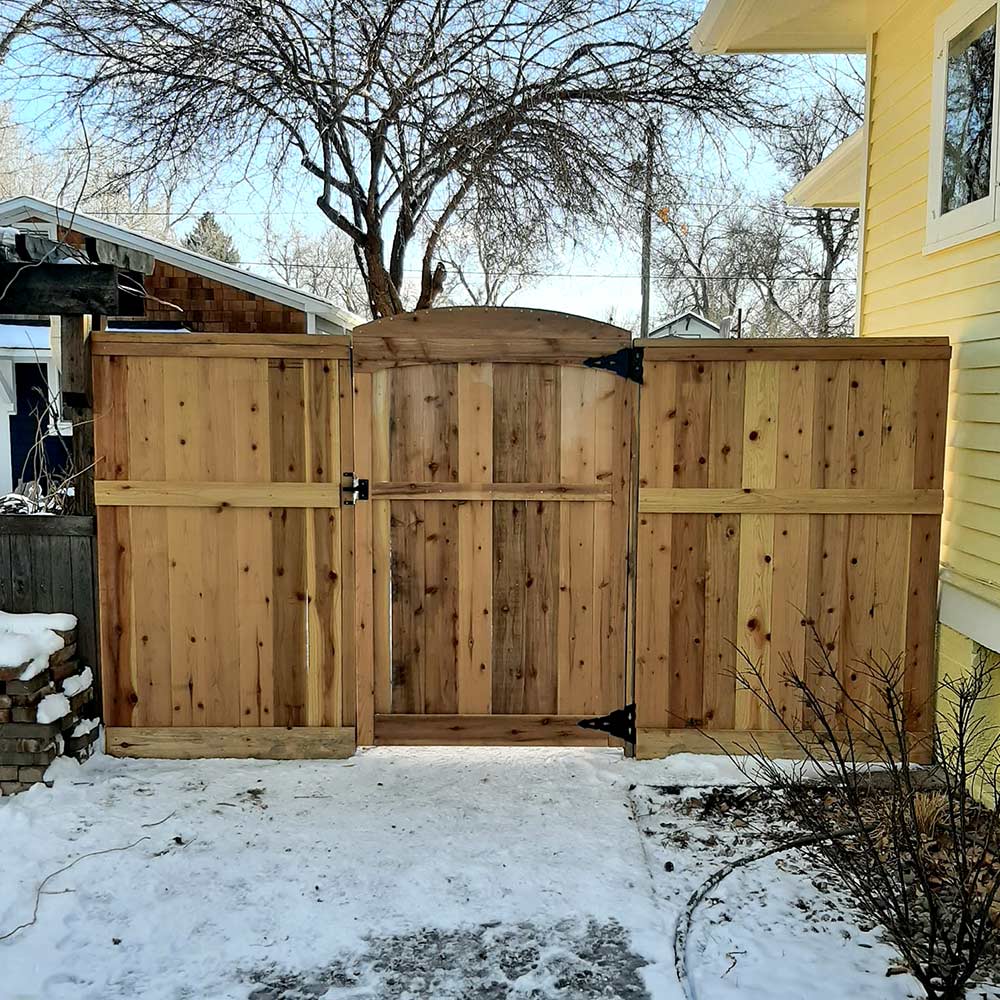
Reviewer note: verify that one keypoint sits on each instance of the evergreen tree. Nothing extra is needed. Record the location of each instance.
(209, 238)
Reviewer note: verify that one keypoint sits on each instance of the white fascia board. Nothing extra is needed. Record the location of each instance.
(970, 615)
(781, 27)
(836, 181)
(13, 210)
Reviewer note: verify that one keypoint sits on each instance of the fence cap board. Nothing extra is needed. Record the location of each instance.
(47, 524)
(799, 349)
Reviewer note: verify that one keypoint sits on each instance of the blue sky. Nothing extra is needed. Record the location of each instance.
(598, 277)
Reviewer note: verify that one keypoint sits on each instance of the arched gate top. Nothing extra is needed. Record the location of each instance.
(483, 333)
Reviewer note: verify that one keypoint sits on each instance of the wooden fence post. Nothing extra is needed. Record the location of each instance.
(78, 407)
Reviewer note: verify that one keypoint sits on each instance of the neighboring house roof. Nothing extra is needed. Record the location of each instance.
(787, 25)
(685, 320)
(18, 335)
(837, 181)
(15, 210)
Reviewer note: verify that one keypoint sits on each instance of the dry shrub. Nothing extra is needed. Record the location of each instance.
(919, 853)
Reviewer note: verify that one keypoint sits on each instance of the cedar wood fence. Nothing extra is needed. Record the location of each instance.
(536, 539)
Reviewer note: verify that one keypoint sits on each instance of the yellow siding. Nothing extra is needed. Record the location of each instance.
(956, 655)
(954, 293)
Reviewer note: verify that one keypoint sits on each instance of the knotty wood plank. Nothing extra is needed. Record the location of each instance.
(364, 601)
(221, 682)
(381, 545)
(796, 408)
(187, 348)
(266, 743)
(892, 533)
(289, 610)
(826, 599)
(254, 550)
(686, 652)
(510, 462)
(613, 445)
(567, 492)
(925, 545)
(483, 730)
(165, 493)
(750, 500)
(725, 470)
(408, 548)
(579, 391)
(475, 542)
(760, 455)
(345, 615)
(778, 745)
(799, 349)
(115, 588)
(657, 428)
(441, 608)
(864, 421)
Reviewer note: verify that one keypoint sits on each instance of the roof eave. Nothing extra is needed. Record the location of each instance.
(723, 29)
(188, 259)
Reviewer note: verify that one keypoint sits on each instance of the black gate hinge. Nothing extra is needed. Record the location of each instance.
(620, 724)
(354, 490)
(627, 363)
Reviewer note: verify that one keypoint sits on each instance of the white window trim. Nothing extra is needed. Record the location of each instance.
(979, 218)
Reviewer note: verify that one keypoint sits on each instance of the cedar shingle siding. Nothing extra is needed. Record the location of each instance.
(209, 306)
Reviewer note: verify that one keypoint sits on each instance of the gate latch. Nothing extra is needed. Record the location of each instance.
(354, 490)
(620, 724)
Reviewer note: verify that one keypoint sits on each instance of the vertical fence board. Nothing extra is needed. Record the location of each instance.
(808, 419)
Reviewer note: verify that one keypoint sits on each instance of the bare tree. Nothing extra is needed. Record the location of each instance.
(810, 133)
(490, 262)
(323, 265)
(403, 112)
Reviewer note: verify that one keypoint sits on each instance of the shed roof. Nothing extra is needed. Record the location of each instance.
(21, 209)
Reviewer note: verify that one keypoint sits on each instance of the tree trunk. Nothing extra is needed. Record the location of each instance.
(431, 285)
(382, 292)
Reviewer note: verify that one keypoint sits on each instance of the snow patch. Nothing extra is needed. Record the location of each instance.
(52, 708)
(78, 682)
(32, 624)
(85, 726)
(32, 649)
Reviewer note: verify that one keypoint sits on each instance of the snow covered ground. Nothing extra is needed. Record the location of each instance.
(412, 875)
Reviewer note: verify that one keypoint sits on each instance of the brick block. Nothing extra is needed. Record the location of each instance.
(5, 701)
(29, 689)
(4, 715)
(33, 745)
(8, 773)
(62, 655)
(60, 671)
(13, 787)
(42, 759)
(12, 673)
(30, 774)
(32, 730)
(79, 701)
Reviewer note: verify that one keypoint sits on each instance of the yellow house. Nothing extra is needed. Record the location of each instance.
(925, 170)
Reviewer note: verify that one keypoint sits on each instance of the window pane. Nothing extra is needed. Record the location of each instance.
(968, 123)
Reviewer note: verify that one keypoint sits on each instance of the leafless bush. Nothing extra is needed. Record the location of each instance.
(923, 853)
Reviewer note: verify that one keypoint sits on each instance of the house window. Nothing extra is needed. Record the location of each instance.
(962, 200)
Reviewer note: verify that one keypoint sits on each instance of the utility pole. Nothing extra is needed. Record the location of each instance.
(647, 230)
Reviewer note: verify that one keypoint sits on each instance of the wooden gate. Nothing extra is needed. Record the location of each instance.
(492, 606)
(781, 481)
(225, 558)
